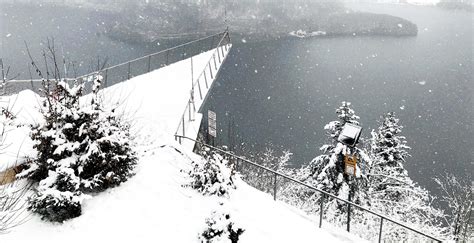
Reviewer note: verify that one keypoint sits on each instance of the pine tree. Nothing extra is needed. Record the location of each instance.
(326, 171)
(391, 191)
(389, 151)
(81, 148)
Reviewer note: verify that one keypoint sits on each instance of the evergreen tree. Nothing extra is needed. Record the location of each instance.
(388, 152)
(326, 171)
(391, 190)
(81, 148)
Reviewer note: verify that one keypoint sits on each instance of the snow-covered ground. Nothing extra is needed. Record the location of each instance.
(153, 206)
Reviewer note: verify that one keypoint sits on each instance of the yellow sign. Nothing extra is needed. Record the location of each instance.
(350, 163)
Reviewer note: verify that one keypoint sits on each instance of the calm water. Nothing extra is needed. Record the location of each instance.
(281, 93)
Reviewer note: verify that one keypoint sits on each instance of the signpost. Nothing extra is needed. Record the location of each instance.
(350, 163)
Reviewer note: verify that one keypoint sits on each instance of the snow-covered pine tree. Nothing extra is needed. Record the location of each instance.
(326, 171)
(80, 148)
(391, 190)
(388, 150)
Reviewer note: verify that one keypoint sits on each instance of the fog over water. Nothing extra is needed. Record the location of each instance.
(280, 92)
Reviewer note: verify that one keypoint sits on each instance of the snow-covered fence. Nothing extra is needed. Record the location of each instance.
(124, 71)
(352, 208)
(203, 83)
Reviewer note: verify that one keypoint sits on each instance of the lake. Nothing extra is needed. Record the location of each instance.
(280, 93)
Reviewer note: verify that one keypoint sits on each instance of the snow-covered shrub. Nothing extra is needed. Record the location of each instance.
(220, 229)
(213, 175)
(81, 148)
(458, 195)
(260, 178)
(12, 206)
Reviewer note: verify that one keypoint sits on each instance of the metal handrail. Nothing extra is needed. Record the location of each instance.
(195, 83)
(129, 61)
(327, 194)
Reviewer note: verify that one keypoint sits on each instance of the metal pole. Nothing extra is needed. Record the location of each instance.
(380, 231)
(321, 211)
(199, 86)
(184, 130)
(205, 78)
(348, 218)
(149, 63)
(210, 70)
(192, 73)
(128, 75)
(105, 79)
(214, 57)
(218, 54)
(222, 50)
(275, 187)
(349, 197)
(189, 109)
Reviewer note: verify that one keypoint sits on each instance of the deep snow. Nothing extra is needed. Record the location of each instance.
(153, 206)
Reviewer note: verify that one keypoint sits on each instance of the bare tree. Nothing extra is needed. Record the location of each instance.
(457, 194)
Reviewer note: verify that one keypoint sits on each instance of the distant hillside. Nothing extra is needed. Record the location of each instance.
(456, 4)
(360, 23)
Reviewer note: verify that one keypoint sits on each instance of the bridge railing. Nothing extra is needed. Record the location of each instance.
(240, 162)
(129, 69)
(202, 83)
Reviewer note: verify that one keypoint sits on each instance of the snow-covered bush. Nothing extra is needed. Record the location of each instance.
(260, 178)
(212, 175)
(81, 148)
(458, 195)
(220, 229)
(12, 206)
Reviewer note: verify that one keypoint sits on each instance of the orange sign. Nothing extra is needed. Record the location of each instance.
(350, 163)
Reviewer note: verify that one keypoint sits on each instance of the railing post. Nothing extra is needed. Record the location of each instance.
(167, 57)
(214, 57)
(218, 54)
(105, 78)
(321, 206)
(212, 43)
(199, 86)
(275, 187)
(210, 70)
(205, 78)
(222, 50)
(189, 109)
(149, 63)
(348, 217)
(201, 50)
(184, 130)
(380, 231)
(128, 75)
